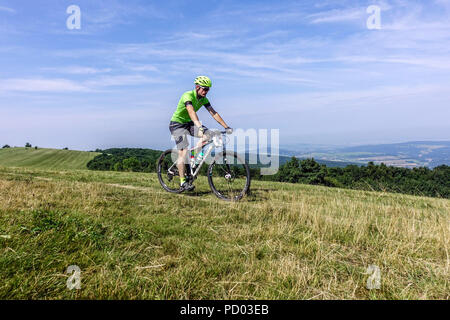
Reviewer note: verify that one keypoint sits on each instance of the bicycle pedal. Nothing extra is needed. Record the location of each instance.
(187, 187)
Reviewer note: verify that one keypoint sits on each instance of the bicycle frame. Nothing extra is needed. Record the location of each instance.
(199, 166)
(194, 174)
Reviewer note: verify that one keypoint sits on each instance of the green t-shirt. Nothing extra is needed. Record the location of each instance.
(181, 115)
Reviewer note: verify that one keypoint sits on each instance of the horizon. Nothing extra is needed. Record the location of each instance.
(315, 71)
(250, 149)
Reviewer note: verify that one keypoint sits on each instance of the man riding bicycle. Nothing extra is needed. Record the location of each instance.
(185, 121)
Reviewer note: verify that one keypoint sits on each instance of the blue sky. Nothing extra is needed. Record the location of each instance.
(309, 68)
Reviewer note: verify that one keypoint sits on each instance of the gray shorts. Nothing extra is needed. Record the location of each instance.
(180, 131)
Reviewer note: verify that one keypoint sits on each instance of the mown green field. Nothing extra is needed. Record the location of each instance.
(132, 240)
(45, 158)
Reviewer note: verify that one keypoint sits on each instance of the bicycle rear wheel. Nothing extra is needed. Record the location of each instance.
(229, 176)
(168, 175)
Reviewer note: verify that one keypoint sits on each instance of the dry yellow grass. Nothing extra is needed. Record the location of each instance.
(133, 240)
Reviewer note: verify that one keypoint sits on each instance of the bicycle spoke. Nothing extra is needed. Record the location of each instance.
(230, 179)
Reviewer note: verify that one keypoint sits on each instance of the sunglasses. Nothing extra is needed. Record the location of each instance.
(205, 88)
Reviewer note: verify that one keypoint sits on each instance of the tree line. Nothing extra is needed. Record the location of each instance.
(420, 181)
(125, 159)
(27, 145)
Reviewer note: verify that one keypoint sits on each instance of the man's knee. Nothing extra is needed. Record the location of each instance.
(207, 135)
(182, 153)
(181, 142)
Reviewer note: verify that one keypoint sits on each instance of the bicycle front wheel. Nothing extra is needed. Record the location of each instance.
(229, 176)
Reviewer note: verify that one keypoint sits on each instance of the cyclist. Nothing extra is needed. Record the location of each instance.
(185, 121)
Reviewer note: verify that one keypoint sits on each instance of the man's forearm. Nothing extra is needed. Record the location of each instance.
(219, 119)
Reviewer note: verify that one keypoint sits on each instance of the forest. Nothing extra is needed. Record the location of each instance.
(420, 181)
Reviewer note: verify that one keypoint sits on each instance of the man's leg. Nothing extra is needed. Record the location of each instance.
(181, 163)
(203, 138)
(184, 185)
(179, 132)
(200, 144)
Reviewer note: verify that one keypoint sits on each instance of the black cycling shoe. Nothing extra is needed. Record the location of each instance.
(186, 186)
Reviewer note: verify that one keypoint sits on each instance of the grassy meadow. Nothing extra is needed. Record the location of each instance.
(133, 240)
(43, 158)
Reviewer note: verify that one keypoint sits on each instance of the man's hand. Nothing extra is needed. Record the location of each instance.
(229, 130)
(201, 131)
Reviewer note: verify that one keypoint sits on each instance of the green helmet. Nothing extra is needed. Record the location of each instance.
(203, 81)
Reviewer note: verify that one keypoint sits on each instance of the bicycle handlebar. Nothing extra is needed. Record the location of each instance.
(221, 132)
(217, 132)
(214, 133)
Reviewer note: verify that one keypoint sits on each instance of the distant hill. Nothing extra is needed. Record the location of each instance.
(286, 154)
(425, 153)
(329, 163)
(408, 154)
(43, 158)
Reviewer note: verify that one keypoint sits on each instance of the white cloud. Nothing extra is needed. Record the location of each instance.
(144, 68)
(41, 85)
(122, 80)
(445, 3)
(338, 16)
(78, 70)
(65, 85)
(297, 62)
(105, 14)
(296, 103)
(6, 9)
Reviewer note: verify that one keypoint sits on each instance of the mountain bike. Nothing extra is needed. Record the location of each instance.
(228, 175)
